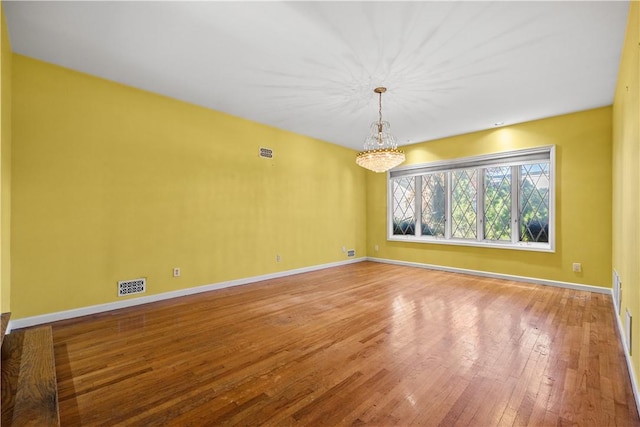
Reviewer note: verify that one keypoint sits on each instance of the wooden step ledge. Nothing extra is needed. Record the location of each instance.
(4, 323)
(29, 388)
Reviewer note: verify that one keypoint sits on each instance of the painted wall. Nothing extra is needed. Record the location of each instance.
(5, 166)
(626, 178)
(113, 183)
(583, 201)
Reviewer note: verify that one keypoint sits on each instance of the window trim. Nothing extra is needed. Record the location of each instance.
(507, 158)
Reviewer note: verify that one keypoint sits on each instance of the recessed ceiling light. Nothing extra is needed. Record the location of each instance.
(498, 123)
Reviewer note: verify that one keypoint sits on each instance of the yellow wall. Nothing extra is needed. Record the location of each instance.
(626, 178)
(583, 201)
(5, 166)
(113, 183)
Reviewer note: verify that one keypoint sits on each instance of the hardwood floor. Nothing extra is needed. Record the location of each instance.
(363, 344)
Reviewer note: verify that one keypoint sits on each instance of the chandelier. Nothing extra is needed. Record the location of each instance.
(380, 148)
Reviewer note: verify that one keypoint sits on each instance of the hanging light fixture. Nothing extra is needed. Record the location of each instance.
(380, 148)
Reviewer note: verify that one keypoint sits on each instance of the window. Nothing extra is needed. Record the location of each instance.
(464, 196)
(502, 200)
(433, 204)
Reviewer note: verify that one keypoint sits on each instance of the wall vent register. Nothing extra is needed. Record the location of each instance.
(628, 331)
(130, 287)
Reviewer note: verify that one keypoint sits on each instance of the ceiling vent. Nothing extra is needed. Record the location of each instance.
(266, 153)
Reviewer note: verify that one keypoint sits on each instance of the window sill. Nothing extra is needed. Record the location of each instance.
(522, 246)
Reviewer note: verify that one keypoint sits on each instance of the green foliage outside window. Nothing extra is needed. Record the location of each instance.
(533, 209)
(534, 216)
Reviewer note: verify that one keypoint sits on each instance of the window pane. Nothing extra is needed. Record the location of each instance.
(463, 204)
(534, 202)
(497, 203)
(404, 217)
(433, 204)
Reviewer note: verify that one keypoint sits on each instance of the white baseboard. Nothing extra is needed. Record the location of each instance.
(94, 309)
(26, 322)
(558, 284)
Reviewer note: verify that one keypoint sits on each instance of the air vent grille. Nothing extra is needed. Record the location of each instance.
(617, 291)
(130, 287)
(628, 331)
(266, 153)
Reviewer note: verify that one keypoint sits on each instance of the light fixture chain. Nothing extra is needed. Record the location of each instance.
(380, 109)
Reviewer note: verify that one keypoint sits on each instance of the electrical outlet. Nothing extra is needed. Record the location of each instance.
(376, 248)
(278, 259)
(577, 267)
(176, 272)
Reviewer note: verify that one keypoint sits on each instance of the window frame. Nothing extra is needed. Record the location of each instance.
(513, 159)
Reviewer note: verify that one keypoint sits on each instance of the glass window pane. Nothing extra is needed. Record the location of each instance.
(433, 204)
(534, 202)
(404, 216)
(497, 203)
(464, 194)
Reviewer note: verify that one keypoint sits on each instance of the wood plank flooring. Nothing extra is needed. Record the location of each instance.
(362, 344)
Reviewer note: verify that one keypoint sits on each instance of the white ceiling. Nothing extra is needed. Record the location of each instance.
(311, 67)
